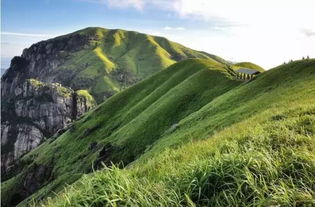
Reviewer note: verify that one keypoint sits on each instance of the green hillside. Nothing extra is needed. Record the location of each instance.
(192, 135)
(248, 65)
(106, 61)
(118, 129)
(95, 62)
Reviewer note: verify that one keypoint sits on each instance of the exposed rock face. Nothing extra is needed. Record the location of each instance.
(36, 111)
(34, 105)
(97, 60)
(40, 61)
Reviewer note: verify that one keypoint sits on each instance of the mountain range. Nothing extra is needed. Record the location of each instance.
(55, 81)
(105, 117)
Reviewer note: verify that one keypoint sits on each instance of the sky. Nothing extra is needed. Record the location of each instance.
(266, 32)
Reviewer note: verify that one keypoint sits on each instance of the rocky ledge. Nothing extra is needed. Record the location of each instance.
(34, 112)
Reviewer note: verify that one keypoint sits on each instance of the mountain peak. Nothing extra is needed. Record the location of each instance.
(103, 61)
(94, 61)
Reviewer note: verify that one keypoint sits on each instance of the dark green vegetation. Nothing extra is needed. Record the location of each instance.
(192, 135)
(106, 61)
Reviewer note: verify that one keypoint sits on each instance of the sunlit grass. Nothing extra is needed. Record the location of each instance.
(258, 162)
(190, 135)
(133, 54)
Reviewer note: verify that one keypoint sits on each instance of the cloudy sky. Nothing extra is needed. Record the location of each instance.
(266, 32)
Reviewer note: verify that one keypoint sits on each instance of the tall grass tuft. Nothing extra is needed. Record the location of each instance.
(266, 161)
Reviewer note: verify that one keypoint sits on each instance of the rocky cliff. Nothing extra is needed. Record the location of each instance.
(34, 111)
(101, 60)
(53, 82)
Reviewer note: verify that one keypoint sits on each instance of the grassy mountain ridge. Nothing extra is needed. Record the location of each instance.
(245, 165)
(264, 160)
(247, 65)
(109, 60)
(116, 128)
(94, 61)
(191, 100)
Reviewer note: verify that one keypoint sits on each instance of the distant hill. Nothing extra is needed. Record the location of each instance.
(191, 135)
(102, 61)
(91, 65)
(248, 65)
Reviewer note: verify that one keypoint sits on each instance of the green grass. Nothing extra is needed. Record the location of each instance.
(187, 128)
(247, 65)
(108, 65)
(62, 91)
(35, 82)
(87, 96)
(267, 160)
(137, 55)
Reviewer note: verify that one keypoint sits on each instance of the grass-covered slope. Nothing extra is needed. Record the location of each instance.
(122, 128)
(96, 62)
(267, 159)
(255, 147)
(248, 65)
(111, 60)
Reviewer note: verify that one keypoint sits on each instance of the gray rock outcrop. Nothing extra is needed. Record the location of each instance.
(36, 111)
(34, 104)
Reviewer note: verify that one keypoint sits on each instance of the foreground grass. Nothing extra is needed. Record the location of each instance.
(127, 124)
(265, 160)
(268, 160)
(193, 100)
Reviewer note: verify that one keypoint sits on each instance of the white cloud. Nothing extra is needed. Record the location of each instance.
(9, 50)
(138, 4)
(266, 31)
(174, 28)
(26, 34)
(308, 32)
(13, 43)
(240, 12)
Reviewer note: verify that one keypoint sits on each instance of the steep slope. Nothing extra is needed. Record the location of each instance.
(98, 61)
(193, 99)
(267, 159)
(39, 110)
(122, 128)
